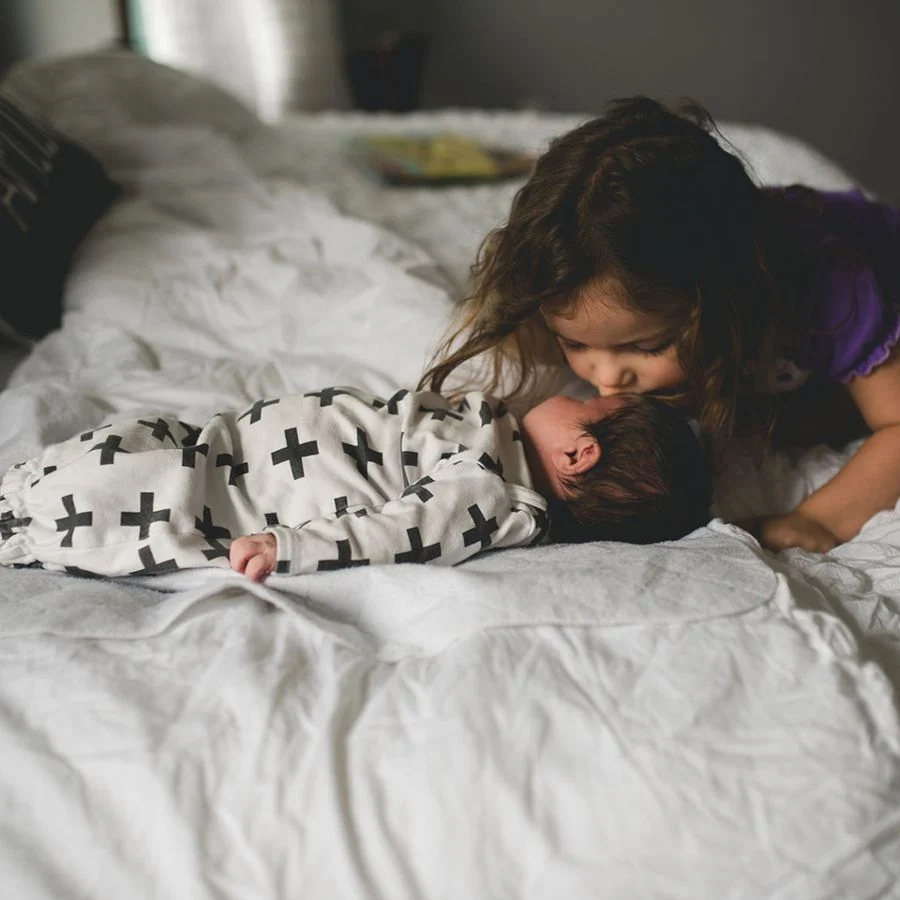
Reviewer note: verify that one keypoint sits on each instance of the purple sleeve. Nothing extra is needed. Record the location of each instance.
(853, 314)
(855, 327)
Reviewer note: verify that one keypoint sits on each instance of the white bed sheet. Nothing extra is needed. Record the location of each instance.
(698, 719)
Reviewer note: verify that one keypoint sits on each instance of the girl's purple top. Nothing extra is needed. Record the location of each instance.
(853, 307)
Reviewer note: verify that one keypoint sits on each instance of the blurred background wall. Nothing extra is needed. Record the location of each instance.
(827, 71)
(49, 27)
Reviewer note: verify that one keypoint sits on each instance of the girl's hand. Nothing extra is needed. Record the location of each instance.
(794, 529)
(253, 555)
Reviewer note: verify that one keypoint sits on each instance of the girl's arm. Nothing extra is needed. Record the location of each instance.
(868, 483)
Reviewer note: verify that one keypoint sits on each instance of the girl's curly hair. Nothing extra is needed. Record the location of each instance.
(650, 197)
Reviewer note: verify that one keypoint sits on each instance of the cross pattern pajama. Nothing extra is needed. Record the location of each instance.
(339, 477)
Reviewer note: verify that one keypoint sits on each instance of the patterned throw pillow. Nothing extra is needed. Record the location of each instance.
(51, 192)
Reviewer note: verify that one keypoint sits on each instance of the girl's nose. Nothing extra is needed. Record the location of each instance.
(611, 377)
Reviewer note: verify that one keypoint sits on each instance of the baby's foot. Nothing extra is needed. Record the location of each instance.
(253, 555)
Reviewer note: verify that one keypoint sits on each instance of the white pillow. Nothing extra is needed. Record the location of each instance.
(90, 97)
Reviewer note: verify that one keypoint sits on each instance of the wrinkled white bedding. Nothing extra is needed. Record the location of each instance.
(690, 720)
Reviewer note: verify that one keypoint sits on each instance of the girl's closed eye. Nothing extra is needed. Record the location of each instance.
(654, 349)
(571, 346)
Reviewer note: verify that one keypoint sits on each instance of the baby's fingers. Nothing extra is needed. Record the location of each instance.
(259, 567)
(253, 555)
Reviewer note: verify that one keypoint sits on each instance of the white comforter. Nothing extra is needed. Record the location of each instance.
(698, 719)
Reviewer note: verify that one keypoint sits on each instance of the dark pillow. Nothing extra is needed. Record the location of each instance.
(51, 192)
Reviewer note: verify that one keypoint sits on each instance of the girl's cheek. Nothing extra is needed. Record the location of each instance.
(672, 374)
(577, 366)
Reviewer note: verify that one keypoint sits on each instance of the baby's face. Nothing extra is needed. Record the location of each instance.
(555, 436)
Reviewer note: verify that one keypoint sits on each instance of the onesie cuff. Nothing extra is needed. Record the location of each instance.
(285, 549)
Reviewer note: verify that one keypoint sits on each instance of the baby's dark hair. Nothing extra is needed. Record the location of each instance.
(653, 481)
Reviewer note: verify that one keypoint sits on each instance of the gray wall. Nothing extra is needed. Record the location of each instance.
(827, 71)
(49, 27)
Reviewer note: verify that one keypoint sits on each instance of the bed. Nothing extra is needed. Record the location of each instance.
(698, 719)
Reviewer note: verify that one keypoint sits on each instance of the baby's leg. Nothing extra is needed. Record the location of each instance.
(253, 555)
(125, 499)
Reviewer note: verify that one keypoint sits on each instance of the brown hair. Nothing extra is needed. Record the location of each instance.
(653, 481)
(650, 197)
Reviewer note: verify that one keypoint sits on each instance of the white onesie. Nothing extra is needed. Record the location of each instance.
(340, 478)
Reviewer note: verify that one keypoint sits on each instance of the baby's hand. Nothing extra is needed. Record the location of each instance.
(794, 530)
(254, 555)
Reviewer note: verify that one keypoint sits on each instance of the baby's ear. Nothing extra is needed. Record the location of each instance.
(585, 456)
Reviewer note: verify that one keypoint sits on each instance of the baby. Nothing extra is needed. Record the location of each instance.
(337, 478)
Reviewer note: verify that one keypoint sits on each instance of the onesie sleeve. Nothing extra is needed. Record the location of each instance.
(461, 508)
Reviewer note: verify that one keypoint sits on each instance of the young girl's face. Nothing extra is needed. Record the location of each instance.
(616, 349)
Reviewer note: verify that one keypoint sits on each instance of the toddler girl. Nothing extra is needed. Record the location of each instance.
(641, 254)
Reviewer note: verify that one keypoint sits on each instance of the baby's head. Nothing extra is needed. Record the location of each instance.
(624, 468)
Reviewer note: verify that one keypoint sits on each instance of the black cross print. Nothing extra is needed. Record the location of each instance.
(341, 510)
(419, 489)
(108, 449)
(237, 469)
(344, 561)
(483, 529)
(500, 410)
(517, 435)
(326, 396)
(8, 522)
(72, 521)
(255, 411)
(212, 533)
(460, 448)
(272, 519)
(418, 553)
(46, 471)
(89, 434)
(485, 413)
(440, 414)
(463, 405)
(392, 404)
(159, 429)
(146, 517)
(189, 454)
(293, 452)
(491, 464)
(151, 566)
(191, 433)
(363, 453)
